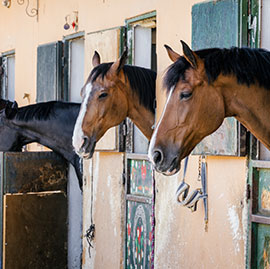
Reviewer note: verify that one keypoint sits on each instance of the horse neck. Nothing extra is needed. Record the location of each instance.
(251, 106)
(54, 133)
(141, 116)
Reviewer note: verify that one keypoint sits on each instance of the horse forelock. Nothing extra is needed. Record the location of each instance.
(142, 81)
(175, 72)
(100, 70)
(250, 66)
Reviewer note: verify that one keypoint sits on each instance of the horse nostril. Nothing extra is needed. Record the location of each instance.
(85, 142)
(157, 156)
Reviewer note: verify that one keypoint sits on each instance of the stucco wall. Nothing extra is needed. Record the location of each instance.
(181, 241)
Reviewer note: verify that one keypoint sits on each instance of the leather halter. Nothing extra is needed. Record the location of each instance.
(190, 200)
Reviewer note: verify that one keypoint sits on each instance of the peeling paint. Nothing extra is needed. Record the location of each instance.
(235, 227)
(114, 201)
(221, 196)
(265, 199)
(166, 206)
(245, 221)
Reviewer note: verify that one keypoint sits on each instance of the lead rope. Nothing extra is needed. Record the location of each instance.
(90, 232)
(190, 200)
(153, 206)
(204, 192)
(153, 221)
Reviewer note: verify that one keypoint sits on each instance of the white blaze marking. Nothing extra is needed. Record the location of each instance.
(154, 136)
(77, 138)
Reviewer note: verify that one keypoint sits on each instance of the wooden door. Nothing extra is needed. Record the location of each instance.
(33, 208)
(35, 230)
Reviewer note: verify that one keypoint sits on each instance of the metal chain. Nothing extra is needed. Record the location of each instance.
(200, 168)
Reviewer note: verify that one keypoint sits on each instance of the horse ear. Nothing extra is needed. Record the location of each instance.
(174, 56)
(119, 64)
(14, 105)
(11, 110)
(96, 59)
(189, 55)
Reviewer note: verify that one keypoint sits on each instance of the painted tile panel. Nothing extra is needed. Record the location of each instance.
(141, 174)
(261, 254)
(138, 235)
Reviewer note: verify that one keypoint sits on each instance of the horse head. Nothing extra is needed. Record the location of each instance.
(8, 137)
(104, 104)
(11, 109)
(193, 110)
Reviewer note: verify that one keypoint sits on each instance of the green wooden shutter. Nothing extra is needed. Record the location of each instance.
(258, 243)
(65, 65)
(216, 24)
(1, 76)
(49, 72)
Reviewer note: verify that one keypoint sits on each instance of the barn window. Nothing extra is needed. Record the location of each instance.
(141, 42)
(73, 80)
(220, 28)
(49, 72)
(8, 76)
(139, 191)
(73, 67)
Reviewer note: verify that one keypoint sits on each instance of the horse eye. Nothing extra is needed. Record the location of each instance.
(185, 95)
(103, 95)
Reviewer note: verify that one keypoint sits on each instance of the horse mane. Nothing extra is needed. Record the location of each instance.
(142, 81)
(248, 65)
(41, 111)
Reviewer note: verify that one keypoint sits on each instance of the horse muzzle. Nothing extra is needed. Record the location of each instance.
(168, 164)
(87, 148)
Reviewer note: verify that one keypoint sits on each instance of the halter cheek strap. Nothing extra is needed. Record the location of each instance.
(190, 200)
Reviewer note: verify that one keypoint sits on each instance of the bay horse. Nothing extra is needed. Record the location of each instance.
(204, 87)
(112, 92)
(50, 124)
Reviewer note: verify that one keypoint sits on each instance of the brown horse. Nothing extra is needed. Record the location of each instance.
(204, 87)
(113, 92)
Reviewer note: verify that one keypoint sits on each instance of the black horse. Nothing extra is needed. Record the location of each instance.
(50, 124)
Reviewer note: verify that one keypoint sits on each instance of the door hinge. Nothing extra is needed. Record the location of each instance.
(63, 61)
(124, 129)
(248, 192)
(252, 26)
(123, 179)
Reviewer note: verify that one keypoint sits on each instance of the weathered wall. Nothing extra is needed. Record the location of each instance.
(180, 238)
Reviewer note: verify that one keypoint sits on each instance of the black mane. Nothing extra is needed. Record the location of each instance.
(142, 81)
(248, 65)
(41, 111)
